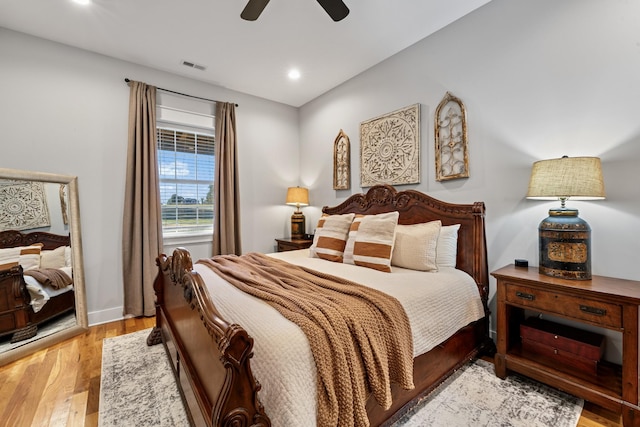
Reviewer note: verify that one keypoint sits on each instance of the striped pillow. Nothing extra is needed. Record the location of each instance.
(27, 256)
(374, 239)
(351, 239)
(8, 265)
(331, 237)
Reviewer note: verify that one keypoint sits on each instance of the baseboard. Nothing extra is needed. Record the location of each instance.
(105, 316)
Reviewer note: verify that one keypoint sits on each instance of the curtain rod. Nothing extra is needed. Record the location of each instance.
(183, 94)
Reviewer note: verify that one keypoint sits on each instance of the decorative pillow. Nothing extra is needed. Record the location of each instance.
(351, 239)
(416, 246)
(8, 265)
(27, 256)
(331, 237)
(67, 256)
(52, 259)
(374, 240)
(447, 246)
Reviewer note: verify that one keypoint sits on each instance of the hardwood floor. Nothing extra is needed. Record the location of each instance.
(62, 383)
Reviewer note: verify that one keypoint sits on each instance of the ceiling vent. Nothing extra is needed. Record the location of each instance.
(193, 65)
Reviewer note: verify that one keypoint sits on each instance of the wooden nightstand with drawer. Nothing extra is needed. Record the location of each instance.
(287, 244)
(604, 302)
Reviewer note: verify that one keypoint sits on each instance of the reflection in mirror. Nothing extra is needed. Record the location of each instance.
(42, 291)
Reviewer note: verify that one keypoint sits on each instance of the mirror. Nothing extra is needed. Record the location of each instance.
(58, 196)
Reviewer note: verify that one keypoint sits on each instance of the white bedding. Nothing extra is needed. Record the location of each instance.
(437, 305)
(40, 294)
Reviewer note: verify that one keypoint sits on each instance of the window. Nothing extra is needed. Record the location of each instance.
(186, 162)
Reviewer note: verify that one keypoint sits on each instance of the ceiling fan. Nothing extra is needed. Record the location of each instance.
(336, 9)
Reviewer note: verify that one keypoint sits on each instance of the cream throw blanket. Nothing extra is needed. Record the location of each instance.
(360, 337)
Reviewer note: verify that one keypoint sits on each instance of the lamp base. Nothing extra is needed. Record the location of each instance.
(298, 226)
(565, 245)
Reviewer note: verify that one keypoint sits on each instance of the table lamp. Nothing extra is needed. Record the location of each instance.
(297, 196)
(565, 238)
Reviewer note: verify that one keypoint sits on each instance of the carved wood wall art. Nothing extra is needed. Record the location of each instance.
(390, 148)
(341, 162)
(23, 205)
(452, 159)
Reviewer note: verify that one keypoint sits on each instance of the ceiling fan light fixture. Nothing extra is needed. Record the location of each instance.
(336, 9)
(253, 9)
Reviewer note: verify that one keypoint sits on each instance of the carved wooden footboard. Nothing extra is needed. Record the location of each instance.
(211, 357)
(17, 317)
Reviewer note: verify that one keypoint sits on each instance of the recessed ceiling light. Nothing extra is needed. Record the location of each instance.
(82, 2)
(294, 74)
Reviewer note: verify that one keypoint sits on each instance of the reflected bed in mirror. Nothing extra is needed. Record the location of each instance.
(42, 290)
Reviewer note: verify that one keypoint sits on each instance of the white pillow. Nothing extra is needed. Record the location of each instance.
(416, 246)
(67, 256)
(331, 237)
(447, 250)
(52, 258)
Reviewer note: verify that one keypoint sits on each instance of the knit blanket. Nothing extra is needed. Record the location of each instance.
(360, 337)
(53, 277)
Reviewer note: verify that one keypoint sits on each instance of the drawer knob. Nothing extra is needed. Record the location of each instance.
(526, 296)
(593, 310)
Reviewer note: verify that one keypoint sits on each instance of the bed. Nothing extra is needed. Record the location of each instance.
(224, 383)
(26, 302)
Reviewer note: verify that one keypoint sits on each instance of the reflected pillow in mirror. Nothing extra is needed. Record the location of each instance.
(52, 258)
(27, 256)
(67, 256)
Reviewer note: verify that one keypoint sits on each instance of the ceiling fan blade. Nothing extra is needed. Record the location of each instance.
(253, 9)
(336, 9)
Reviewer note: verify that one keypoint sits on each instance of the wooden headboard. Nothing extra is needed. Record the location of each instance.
(416, 207)
(13, 238)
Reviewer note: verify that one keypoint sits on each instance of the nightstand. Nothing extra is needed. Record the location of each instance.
(605, 302)
(288, 244)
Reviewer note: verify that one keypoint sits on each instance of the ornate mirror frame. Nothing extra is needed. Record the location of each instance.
(78, 267)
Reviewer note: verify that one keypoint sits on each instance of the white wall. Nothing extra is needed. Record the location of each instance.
(64, 110)
(539, 79)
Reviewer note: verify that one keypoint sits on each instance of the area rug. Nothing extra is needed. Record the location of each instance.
(474, 396)
(138, 388)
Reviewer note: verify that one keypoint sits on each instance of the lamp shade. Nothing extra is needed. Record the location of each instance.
(578, 178)
(297, 196)
(564, 238)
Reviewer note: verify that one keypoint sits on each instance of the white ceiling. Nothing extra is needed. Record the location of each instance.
(250, 57)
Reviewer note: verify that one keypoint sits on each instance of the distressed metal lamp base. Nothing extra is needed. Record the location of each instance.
(565, 245)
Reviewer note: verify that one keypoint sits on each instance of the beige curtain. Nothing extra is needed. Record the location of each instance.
(226, 228)
(142, 229)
